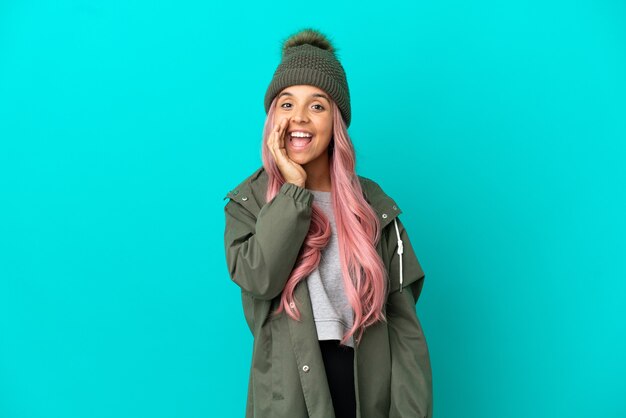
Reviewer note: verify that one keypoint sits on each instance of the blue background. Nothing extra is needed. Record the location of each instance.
(498, 127)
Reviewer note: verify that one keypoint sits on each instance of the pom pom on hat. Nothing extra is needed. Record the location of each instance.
(311, 37)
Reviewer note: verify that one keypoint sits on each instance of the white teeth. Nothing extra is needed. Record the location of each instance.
(301, 135)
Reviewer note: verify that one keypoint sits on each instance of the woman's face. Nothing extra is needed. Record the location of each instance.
(308, 110)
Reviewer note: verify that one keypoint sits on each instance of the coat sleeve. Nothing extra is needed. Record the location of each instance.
(411, 376)
(261, 252)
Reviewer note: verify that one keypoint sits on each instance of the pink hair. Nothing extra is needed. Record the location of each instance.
(358, 232)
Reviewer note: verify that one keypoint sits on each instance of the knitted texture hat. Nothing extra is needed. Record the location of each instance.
(308, 57)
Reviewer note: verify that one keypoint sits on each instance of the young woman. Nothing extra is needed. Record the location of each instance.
(328, 277)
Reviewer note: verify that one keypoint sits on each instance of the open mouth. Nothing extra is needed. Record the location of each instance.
(300, 141)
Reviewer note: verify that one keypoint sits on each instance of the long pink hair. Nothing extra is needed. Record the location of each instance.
(358, 232)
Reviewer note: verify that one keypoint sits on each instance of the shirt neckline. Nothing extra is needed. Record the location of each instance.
(321, 196)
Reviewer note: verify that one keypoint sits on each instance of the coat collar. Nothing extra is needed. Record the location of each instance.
(251, 194)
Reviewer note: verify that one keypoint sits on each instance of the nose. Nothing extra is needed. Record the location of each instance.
(300, 115)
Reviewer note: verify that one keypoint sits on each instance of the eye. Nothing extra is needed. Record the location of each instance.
(286, 103)
(321, 107)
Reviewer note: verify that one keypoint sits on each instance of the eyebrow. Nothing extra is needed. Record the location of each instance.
(286, 93)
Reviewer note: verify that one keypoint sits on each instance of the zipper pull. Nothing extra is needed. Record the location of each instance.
(400, 250)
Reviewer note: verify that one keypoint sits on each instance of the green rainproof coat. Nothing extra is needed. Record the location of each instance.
(287, 377)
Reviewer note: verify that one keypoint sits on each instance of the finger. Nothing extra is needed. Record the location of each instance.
(271, 142)
(276, 150)
(276, 134)
(268, 141)
(273, 135)
(283, 130)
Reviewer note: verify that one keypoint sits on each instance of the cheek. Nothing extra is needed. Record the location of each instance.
(327, 138)
(329, 132)
(326, 126)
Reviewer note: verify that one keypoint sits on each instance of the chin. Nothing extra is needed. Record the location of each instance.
(299, 159)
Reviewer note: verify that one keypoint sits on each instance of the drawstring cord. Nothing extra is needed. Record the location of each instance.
(400, 250)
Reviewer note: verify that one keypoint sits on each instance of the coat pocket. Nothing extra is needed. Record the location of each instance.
(277, 356)
(247, 302)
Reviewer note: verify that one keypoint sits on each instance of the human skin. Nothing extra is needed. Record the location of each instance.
(303, 108)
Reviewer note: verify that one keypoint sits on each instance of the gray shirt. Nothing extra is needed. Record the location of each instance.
(332, 312)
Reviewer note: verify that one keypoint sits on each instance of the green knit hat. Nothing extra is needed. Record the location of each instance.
(308, 57)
